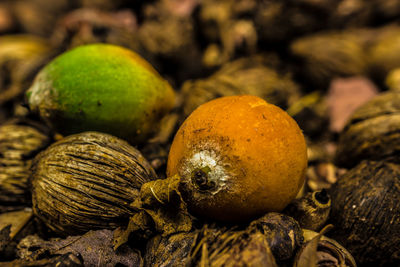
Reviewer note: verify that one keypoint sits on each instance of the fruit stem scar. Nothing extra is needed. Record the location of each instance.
(206, 171)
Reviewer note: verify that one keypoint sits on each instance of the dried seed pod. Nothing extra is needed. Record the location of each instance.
(221, 247)
(87, 181)
(273, 236)
(327, 252)
(311, 210)
(250, 76)
(172, 250)
(324, 56)
(19, 144)
(282, 233)
(372, 131)
(366, 212)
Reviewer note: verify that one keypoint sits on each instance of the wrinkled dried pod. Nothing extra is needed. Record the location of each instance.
(19, 144)
(324, 56)
(311, 210)
(366, 212)
(325, 251)
(244, 76)
(282, 233)
(373, 131)
(87, 181)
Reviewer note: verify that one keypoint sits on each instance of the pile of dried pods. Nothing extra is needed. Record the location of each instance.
(199, 133)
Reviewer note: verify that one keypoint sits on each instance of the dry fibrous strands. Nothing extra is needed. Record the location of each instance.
(87, 181)
(19, 143)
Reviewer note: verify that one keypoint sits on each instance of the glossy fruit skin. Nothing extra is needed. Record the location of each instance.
(239, 157)
(101, 87)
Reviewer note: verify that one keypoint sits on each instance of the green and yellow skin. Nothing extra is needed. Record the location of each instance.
(101, 87)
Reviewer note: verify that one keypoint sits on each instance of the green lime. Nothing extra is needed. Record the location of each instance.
(101, 87)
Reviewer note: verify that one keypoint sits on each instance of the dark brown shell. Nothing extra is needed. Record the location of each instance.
(366, 212)
(311, 211)
(18, 145)
(282, 232)
(373, 131)
(87, 181)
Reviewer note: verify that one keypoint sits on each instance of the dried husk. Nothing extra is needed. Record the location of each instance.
(227, 247)
(282, 232)
(19, 143)
(321, 251)
(372, 131)
(273, 237)
(310, 211)
(366, 214)
(94, 248)
(327, 55)
(251, 76)
(87, 181)
(161, 210)
(172, 250)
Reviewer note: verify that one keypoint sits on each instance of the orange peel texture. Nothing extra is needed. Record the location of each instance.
(238, 157)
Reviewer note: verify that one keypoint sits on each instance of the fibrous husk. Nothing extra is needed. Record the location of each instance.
(19, 144)
(327, 55)
(372, 131)
(87, 181)
(225, 247)
(366, 214)
(95, 248)
(249, 76)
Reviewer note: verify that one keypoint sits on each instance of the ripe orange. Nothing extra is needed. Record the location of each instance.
(238, 157)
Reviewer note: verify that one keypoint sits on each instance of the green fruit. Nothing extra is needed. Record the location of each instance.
(101, 87)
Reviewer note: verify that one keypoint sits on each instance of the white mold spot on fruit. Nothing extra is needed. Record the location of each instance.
(209, 159)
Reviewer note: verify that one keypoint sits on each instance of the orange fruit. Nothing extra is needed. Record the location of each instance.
(238, 157)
